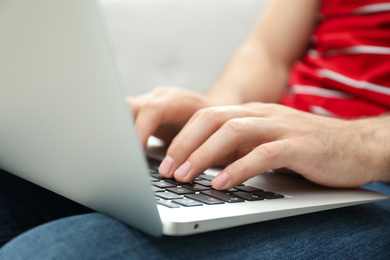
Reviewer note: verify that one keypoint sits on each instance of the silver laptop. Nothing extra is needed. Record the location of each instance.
(65, 126)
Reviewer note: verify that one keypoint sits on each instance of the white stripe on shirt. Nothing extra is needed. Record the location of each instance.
(321, 111)
(359, 84)
(373, 8)
(320, 92)
(359, 49)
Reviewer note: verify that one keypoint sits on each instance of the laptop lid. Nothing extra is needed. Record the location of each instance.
(64, 121)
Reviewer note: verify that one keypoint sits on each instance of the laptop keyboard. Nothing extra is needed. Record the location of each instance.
(173, 194)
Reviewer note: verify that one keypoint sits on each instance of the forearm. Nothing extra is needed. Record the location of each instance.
(259, 69)
(374, 138)
(251, 75)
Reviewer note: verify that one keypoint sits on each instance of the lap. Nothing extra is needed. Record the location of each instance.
(24, 205)
(357, 232)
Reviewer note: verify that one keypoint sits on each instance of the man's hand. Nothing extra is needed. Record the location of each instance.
(164, 111)
(257, 137)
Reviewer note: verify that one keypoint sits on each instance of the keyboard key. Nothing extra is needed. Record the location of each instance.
(152, 179)
(195, 187)
(247, 196)
(229, 190)
(163, 184)
(173, 181)
(248, 188)
(181, 190)
(168, 195)
(222, 196)
(152, 171)
(157, 189)
(156, 176)
(206, 177)
(204, 198)
(204, 183)
(188, 202)
(168, 204)
(269, 195)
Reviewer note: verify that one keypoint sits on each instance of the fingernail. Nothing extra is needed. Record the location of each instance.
(220, 181)
(183, 170)
(165, 165)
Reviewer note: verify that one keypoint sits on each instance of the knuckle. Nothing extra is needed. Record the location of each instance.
(208, 114)
(235, 126)
(272, 108)
(268, 152)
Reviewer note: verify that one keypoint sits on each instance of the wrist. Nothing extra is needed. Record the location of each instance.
(375, 140)
(221, 95)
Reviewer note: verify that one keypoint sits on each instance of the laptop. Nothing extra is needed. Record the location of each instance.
(65, 126)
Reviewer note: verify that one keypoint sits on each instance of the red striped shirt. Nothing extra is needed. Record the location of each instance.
(346, 71)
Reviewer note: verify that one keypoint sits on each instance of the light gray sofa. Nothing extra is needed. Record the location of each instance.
(182, 43)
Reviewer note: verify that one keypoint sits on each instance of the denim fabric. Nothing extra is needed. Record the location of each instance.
(24, 205)
(358, 232)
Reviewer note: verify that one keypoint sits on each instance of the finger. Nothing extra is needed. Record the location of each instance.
(147, 122)
(132, 104)
(193, 134)
(237, 133)
(265, 157)
(238, 154)
(143, 127)
(135, 104)
(198, 129)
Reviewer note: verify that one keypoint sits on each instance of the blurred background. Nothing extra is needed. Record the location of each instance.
(184, 43)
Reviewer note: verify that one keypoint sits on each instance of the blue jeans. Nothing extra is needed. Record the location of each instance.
(358, 232)
(24, 205)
